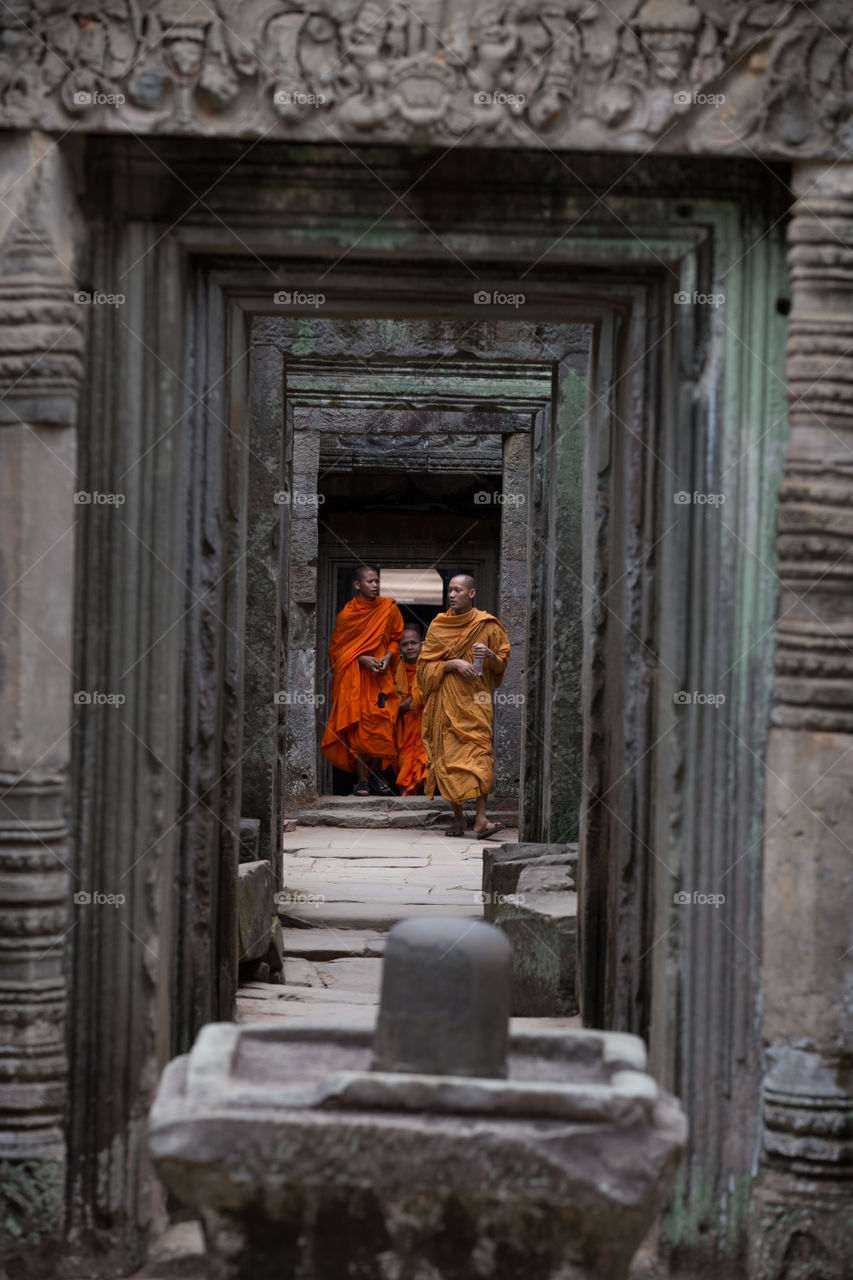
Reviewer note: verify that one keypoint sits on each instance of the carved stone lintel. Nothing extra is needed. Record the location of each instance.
(802, 1220)
(772, 78)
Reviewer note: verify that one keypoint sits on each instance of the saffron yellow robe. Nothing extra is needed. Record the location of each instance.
(411, 758)
(457, 719)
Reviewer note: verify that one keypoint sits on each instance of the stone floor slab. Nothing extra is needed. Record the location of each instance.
(331, 944)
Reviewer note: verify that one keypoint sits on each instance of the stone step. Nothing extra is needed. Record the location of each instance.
(397, 813)
(344, 916)
(332, 944)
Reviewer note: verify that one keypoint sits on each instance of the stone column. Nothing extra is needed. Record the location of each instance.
(40, 370)
(300, 783)
(802, 1205)
(512, 611)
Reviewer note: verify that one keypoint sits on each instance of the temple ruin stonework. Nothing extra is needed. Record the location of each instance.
(667, 186)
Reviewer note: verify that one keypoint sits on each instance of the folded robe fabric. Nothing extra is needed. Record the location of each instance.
(457, 720)
(357, 724)
(411, 758)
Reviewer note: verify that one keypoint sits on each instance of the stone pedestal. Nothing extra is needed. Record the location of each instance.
(299, 1160)
(802, 1207)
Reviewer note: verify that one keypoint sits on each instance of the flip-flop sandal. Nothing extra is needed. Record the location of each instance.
(492, 829)
(383, 789)
(361, 789)
(454, 831)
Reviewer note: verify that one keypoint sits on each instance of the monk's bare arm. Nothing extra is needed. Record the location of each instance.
(495, 661)
(385, 660)
(461, 667)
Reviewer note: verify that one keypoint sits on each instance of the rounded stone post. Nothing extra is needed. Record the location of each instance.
(802, 1203)
(445, 1000)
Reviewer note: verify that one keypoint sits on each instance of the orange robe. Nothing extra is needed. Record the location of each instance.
(411, 758)
(457, 718)
(357, 724)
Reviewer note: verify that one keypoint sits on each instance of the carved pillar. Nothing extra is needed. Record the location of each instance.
(512, 610)
(802, 1209)
(40, 371)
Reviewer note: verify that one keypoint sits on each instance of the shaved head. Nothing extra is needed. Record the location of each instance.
(414, 626)
(460, 593)
(366, 583)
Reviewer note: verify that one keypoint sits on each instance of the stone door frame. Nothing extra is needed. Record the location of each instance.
(655, 370)
(517, 408)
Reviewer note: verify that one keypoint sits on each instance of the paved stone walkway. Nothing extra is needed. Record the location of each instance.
(345, 888)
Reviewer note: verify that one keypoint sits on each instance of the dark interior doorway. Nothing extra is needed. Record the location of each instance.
(393, 521)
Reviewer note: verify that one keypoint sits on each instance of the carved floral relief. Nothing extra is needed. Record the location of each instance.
(778, 75)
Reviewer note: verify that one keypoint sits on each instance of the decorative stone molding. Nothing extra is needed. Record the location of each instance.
(802, 1218)
(769, 77)
(40, 371)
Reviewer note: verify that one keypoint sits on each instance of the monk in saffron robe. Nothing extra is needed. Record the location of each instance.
(411, 759)
(457, 719)
(359, 736)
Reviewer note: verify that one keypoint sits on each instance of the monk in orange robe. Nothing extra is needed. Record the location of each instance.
(411, 758)
(457, 719)
(359, 736)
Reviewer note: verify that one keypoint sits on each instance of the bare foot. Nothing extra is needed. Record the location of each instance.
(487, 829)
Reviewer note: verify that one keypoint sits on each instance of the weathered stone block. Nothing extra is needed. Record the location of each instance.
(275, 952)
(540, 920)
(255, 887)
(306, 452)
(503, 864)
(300, 1160)
(250, 835)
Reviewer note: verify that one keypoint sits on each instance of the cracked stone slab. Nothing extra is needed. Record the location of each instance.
(330, 944)
(381, 916)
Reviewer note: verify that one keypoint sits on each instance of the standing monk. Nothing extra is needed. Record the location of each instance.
(359, 736)
(457, 720)
(411, 759)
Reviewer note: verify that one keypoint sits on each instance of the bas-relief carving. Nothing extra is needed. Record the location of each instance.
(569, 72)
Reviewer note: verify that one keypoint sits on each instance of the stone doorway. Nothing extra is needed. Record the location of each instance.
(460, 416)
(400, 520)
(671, 398)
